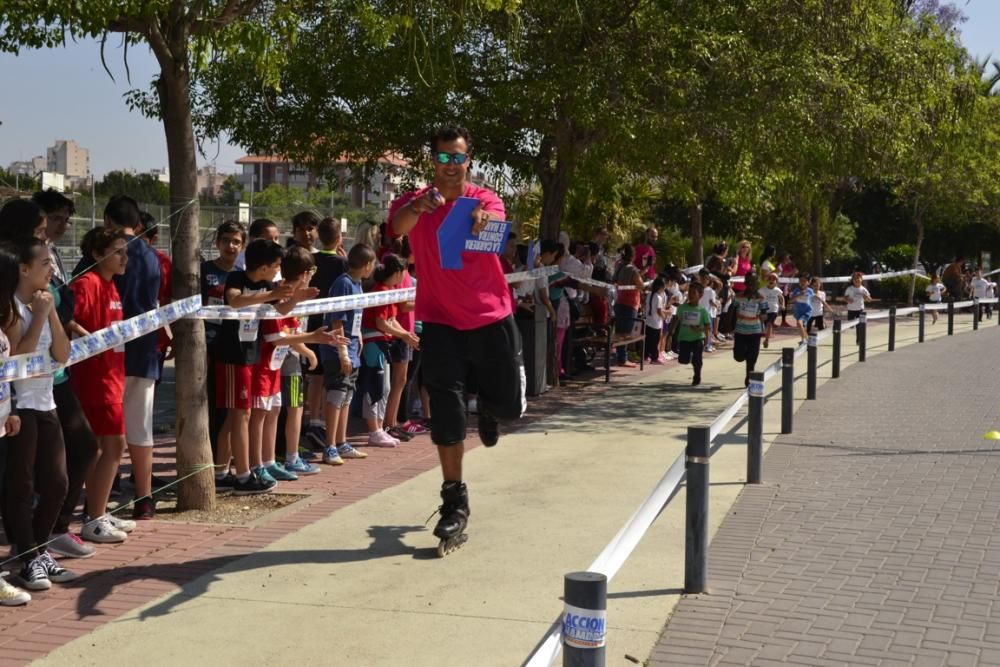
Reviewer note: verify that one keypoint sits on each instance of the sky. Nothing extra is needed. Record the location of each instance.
(65, 93)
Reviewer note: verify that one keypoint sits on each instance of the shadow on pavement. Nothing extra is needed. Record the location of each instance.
(386, 543)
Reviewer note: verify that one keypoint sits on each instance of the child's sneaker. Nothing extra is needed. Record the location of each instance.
(280, 473)
(301, 467)
(12, 596)
(124, 525)
(102, 531)
(348, 452)
(415, 427)
(226, 483)
(332, 457)
(34, 575)
(56, 573)
(251, 487)
(380, 438)
(399, 433)
(69, 545)
(265, 478)
(307, 454)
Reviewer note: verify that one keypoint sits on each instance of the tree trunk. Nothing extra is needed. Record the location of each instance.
(555, 187)
(918, 218)
(197, 491)
(697, 238)
(815, 243)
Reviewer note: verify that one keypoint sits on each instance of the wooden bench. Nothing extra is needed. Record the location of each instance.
(608, 341)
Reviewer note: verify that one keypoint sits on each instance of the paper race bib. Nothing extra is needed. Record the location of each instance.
(692, 318)
(356, 326)
(248, 330)
(4, 392)
(278, 357)
(749, 309)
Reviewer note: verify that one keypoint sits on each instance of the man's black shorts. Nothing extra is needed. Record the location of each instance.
(492, 353)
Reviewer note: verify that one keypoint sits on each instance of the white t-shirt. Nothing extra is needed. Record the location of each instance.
(34, 393)
(856, 297)
(4, 386)
(707, 302)
(817, 303)
(773, 297)
(934, 292)
(655, 303)
(980, 288)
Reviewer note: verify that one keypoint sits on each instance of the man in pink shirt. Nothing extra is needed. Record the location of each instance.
(645, 254)
(467, 323)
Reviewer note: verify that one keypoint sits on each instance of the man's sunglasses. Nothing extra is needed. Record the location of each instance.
(454, 158)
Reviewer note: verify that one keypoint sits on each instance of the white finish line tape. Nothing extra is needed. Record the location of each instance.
(25, 366)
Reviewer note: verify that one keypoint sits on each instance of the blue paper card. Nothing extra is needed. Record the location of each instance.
(455, 234)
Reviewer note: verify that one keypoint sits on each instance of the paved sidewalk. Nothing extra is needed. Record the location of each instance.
(874, 540)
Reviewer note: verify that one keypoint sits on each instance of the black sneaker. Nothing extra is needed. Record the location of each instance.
(55, 572)
(697, 380)
(35, 575)
(489, 430)
(251, 487)
(144, 509)
(226, 483)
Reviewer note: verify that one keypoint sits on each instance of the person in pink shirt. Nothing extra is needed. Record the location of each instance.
(467, 323)
(645, 254)
(742, 264)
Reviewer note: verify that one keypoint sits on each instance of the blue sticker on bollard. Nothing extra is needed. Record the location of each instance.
(584, 628)
(813, 341)
(756, 389)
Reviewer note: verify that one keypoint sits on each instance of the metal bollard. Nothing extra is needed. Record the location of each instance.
(975, 314)
(862, 335)
(755, 429)
(837, 324)
(811, 355)
(696, 525)
(920, 323)
(584, 619)
(787, 388)
(951, 316)
(892, 328)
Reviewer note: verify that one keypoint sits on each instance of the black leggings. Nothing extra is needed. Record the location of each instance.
(652, 350)
(81, 450)
(746, 347)
(36, 463)
(691, 353)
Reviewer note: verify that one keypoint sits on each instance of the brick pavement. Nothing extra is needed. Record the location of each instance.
(873, 541)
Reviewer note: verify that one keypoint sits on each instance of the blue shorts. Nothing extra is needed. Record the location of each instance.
(803, 313)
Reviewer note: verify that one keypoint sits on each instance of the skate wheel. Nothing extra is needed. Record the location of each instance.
(445, 547)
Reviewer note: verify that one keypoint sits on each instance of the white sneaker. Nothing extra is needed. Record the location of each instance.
(380, 438)
(102, 531)
(346, 451)
(124, 525)
(12, 596)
